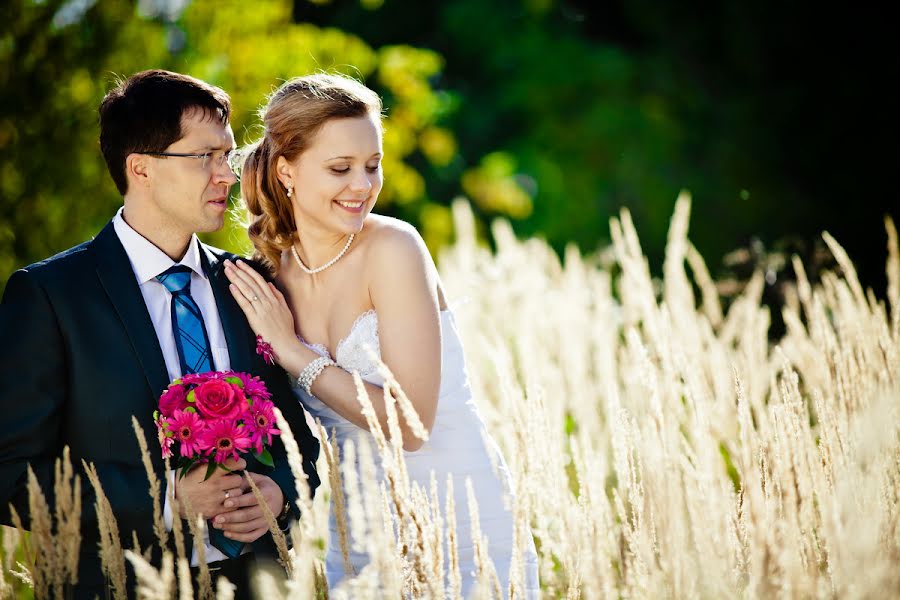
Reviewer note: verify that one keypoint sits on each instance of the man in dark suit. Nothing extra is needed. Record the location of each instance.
(93, 335)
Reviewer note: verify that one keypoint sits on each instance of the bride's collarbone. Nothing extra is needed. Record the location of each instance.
(324, 287)
(327, 306)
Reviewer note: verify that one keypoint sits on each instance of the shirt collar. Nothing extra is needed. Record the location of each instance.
(147, 260)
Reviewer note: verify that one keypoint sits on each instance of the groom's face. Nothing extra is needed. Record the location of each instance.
(190, 195)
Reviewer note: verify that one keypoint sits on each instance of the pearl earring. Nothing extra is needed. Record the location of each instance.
(290, 191)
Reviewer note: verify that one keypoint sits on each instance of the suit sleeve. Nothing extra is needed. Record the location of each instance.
(32, 392)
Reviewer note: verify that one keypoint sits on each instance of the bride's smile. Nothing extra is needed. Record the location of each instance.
(336, 182)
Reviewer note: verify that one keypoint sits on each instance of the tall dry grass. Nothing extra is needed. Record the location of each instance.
(660, 445)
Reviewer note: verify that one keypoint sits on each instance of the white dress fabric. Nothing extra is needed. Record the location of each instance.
(459, 444)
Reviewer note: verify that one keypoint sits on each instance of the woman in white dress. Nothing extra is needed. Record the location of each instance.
(347, 281)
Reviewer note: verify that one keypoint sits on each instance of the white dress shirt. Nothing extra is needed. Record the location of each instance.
(148, 261)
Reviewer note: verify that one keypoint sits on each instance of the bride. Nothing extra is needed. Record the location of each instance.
(347, 280)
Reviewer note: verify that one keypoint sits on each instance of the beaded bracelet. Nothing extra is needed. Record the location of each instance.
(311, 371)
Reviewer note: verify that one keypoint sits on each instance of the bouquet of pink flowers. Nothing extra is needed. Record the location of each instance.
(211, 417)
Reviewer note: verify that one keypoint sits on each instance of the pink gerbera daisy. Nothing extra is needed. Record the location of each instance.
(254, 389)
(195, 378)
(188, 427)
(262, 424)
(226, 439)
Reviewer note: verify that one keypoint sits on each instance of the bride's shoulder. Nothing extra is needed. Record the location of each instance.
(393, 238)
(382, 225)
(395, 248)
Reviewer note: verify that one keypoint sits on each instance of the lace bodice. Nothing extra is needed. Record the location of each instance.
(360, 351)
(354, 352)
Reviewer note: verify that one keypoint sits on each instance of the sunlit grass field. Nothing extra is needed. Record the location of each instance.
(660, 445)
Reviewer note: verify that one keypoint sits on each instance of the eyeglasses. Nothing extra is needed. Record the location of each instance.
(214, 159)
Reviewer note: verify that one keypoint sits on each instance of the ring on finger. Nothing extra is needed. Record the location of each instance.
(254, 298)
(227, 494)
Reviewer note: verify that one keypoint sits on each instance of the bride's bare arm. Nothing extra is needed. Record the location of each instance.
(403, 289)
(403, 286)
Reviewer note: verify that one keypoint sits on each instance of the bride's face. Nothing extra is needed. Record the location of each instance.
(337, 179)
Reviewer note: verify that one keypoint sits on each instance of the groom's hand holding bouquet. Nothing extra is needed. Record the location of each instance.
(206, 422)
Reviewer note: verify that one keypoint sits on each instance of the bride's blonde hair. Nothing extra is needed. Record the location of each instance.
(295, 112)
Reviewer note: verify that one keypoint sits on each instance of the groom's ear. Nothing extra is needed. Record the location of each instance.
(137, 169)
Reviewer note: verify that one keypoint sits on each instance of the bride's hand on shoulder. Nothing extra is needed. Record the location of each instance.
(264, 305)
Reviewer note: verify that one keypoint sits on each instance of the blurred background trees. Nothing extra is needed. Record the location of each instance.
(553, 114)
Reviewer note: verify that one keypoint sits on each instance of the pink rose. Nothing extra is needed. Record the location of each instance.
(174, 398)
(218, 399)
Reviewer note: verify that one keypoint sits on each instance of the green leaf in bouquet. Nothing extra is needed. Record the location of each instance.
(210, 469)
(187, 467)
(264, 457)
(235, 381)
(191, 397)
(190, 409)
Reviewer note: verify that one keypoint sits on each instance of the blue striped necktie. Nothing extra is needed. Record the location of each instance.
(187, 322)
(194, 355)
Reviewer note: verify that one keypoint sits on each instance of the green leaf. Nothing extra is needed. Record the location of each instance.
(265, 457)
(191, 397)
(210, 469)
(571, 425)
(187, 467)
(235, 381)
(190, 409)
(732, 471)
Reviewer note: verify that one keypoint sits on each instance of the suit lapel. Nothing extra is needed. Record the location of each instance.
(234, 323)
(118, 280)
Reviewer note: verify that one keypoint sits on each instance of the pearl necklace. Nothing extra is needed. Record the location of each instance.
(326, 265)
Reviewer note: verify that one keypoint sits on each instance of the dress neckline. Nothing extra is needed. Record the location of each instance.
(323, 349)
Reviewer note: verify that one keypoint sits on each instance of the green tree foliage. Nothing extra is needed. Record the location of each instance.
(772, 115)
(250, 48)
(558, 127)
(56, 62)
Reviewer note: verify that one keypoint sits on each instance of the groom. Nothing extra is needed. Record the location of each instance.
(93, 335)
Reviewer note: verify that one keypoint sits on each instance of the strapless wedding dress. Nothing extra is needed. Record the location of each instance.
(459, 445)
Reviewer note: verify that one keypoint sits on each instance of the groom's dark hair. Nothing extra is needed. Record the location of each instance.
(143, 114)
